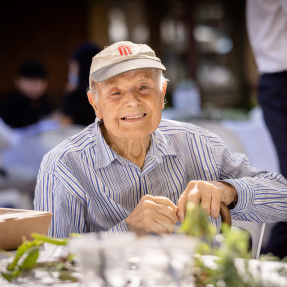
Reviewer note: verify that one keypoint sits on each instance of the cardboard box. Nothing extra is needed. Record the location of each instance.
(16, 223)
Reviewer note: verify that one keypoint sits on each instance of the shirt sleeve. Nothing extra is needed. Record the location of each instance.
(68, 212)
(262, 196)
(121, 227)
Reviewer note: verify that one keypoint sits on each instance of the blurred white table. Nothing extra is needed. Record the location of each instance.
(270, 272)
(48, 252)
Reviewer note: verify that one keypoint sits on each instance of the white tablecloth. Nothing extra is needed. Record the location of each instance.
(48, 252)
(267, 271)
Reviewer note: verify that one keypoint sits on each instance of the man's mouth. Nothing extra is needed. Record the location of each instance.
(133, 117)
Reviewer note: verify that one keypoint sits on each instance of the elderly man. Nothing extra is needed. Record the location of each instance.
(132, 171)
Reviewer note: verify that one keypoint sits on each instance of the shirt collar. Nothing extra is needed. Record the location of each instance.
(105, 155)
(160, 146)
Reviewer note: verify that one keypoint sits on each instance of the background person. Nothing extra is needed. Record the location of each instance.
(76, 108)
(267, 31)
(132, 171)
(29, 104)
(7, 139)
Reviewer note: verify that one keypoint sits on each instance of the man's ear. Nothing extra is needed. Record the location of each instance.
(92, 101)
(163, 92)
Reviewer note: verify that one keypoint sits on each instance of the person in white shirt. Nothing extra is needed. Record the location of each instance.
(267, 32)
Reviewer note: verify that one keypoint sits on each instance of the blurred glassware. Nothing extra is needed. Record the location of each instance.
(102, 258)
(181, 249)
(166, 260)
(116, 260)
(154, 263)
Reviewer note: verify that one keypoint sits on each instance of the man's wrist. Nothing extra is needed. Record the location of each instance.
(231, 190)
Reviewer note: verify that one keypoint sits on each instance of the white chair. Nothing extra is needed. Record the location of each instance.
(256, 231)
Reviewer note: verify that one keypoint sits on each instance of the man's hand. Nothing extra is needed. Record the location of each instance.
(153, 214)
(209, 193)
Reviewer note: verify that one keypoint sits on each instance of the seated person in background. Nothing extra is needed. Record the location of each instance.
(7, 139)
(29, 104)
(132, 171)
(76, 108)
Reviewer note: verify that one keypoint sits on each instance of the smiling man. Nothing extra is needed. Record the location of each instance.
(132, 171)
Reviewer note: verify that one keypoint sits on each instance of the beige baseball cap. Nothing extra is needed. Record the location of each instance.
(122, 57)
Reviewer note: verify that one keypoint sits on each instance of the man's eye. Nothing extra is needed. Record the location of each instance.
(143, 87)
(116, 93)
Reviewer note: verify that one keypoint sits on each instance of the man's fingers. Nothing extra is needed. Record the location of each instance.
(166, 211)
(181, 208)
(194, 195)
(162, 205)
(153, 214)
(162, 225)
(161, 200)
(160, 213)
(215, 206)
(158, 219)
(186, 196)
(206, 200)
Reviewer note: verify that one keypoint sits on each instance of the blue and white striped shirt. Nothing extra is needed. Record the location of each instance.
(89, 187)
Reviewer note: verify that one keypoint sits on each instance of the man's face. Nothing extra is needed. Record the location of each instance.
(32, 88)
(130, 104)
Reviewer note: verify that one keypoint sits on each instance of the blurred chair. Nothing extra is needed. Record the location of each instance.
(21, 161)
(15, 198)
(256, 231)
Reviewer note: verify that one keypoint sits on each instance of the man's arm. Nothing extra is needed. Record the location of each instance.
(68, 212)
(261, 196)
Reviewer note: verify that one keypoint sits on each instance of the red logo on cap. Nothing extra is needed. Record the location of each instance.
(124, 49)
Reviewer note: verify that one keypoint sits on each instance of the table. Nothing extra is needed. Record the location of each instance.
(48, 252)
(266, 270)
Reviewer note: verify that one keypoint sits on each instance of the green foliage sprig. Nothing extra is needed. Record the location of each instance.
(26, 257)
(226, 246)
(221, 270)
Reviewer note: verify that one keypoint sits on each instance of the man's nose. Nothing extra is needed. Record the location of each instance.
(132, 97)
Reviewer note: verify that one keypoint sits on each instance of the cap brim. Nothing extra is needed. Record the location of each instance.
(125, 66)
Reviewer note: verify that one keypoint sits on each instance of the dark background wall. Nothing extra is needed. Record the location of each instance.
(47, 31)
(50, 30)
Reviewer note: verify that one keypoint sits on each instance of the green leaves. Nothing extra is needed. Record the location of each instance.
(31, 258)
(27, 255)
(196, 223)
(50, 240)
(234, 245)
(226, 247)
(25, 259)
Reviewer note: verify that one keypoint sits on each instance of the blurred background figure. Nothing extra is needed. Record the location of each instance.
(16, 182)
(24, 114)
(75, 108)
(7, 139)
(29, 104)
(267, 31)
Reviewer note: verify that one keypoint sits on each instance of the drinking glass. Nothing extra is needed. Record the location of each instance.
(166, 260)
(89, 257)
(102, 258)
(116, 249)
(180, 249)
(154, 263)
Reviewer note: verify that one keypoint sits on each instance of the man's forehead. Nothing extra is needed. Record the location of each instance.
(140, 74)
